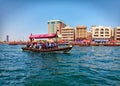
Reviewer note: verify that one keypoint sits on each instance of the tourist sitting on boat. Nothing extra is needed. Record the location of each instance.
(55, 45)
(51, 45)
(47, 44)
(28, 45)
(43, 46)
(40, 45)
(36, 45)
(31, 45)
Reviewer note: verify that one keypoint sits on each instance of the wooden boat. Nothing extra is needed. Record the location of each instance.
(61, 49)
(54, 49)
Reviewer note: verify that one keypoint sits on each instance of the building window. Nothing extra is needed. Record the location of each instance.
(101, 32)
(118, 38)
(107, 35)
(52, 22)
(96, 32)
(106, 29)
(118, 32)
(97, 29)
(96, 35)
(118, 29)
(106, 32)
(118, 35)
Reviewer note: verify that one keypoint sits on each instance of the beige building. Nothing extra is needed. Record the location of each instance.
(55, 26)
(81, 32)
(101, 34)
(68, 33)
(89, 35)
(117, 34)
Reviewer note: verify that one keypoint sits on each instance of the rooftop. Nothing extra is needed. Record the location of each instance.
(78, 26)
(68, 27)
(55, 20)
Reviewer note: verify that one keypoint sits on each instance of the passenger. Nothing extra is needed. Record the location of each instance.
(40, 45)
(56, 45)
(28, 45)
(31, 45)
(37, 45)
(52, 45)
(34, 45)
(43, 46)
(47, 44)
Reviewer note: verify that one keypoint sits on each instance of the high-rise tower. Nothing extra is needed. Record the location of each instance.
(7, 38)
(55, 26)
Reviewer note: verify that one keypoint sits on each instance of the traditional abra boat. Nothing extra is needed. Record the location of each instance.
(54, 49)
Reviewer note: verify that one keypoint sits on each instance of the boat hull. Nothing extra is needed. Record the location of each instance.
(63, 49)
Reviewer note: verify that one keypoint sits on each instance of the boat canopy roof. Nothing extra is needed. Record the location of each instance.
(43, 36)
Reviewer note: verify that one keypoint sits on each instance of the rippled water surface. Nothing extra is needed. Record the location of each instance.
(83, 66)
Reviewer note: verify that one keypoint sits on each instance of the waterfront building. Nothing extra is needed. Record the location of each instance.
(68, 33)
(81, 32)
(89, 35)
(101, 34)
(55, 26)
(112, 34)
(117, 34)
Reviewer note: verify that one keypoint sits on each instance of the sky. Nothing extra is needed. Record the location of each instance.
(20, 18)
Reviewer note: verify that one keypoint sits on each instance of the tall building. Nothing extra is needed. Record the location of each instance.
(7, 38)
(81, 32)
(101, 34)
(68, 33)
(117, 34)
(55, 26)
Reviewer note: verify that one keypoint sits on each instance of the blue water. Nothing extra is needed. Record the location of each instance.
(83, 66)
